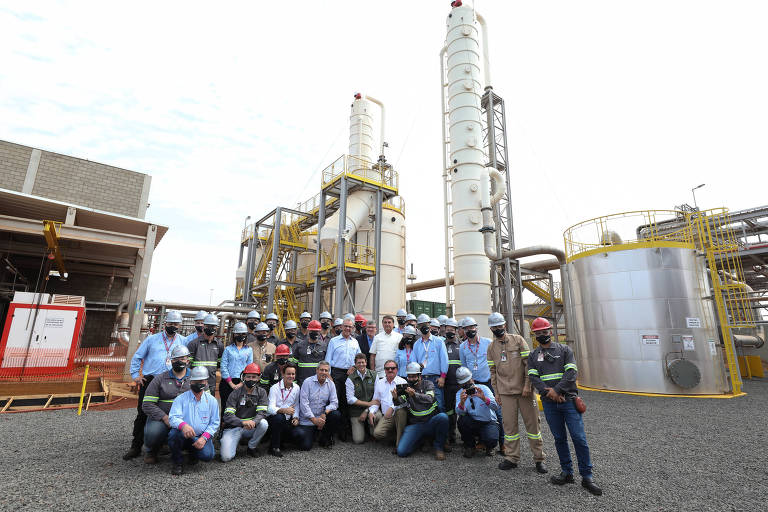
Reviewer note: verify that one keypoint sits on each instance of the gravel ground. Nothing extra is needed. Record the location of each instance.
(648, 453)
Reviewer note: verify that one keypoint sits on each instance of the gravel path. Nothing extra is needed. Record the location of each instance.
(648, 453)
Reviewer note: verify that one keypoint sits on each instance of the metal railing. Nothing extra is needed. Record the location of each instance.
(396, 203)
(362, 169)
(355, 256)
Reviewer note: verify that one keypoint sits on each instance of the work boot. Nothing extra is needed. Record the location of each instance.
(439, 455)
(447, 448)
(132, 453)
(591, 486)
(150, 457)
(177, 469)
(540, 468)
(505, 465)
(562, 479)
(469, 451)
(253, 452)
(275, 452)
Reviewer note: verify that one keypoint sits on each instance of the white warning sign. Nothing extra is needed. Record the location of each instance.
(693, 322)
(650, 339)
(688, 343)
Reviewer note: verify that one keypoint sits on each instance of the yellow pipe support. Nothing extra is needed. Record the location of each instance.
(660, 395)
(82, 392)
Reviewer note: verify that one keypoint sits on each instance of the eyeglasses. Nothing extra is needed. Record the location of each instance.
(390, 368)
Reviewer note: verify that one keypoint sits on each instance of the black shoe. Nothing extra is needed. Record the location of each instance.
(469, 451)
(253, 452)
(562, 479)
(132, 453)
(540, 468)
(489, 452)
(447, 449)
(505, 465)
(591, 486)
(275, 452)
(177, 469)
(343, 436)
(191, 459)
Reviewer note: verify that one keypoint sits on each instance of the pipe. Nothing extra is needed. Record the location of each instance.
(486, 60)
(448, 281)
(383, 117)
(745, 340)
(197, 307)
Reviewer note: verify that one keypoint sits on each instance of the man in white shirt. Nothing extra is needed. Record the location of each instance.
(384, 345)
(387, 415)
(283, 409)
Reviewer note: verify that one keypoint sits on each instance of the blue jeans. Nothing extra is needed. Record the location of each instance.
(155, 435)
(436, 428)
(177, 443)
(470, 429)
(499, 417)
(438, 391)
(558, 417)
(231, 438)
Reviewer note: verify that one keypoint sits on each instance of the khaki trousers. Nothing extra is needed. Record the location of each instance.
(510, 405)
(384, 426)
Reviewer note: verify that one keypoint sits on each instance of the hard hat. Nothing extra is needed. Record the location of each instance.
(199, 373)
(495, 319)
(200, 315)
(210, 320)
(463, 375)
(401, 312)
(252, 368)
(469, 321)
(413, 369)
(282, 350)
(349, 316)
(253, 314)
(338, 321)
(325, 316)
(359, 318)
(290, 324)
(179, 351)
(409, 329)
(173, 316)
(262, 327)
(240, 328)
(314, 325)
(305, 315)
(410, 317)
(540, 324)
(442, 319)
(434, 322)
(423, 319)
(451, 322)
(271, 316)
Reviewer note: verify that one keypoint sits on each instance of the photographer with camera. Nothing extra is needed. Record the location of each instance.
(476, 410)
(424, 419)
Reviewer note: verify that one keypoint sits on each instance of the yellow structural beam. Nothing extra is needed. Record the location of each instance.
(51, 230)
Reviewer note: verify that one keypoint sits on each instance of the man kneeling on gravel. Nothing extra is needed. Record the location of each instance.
(194, 419)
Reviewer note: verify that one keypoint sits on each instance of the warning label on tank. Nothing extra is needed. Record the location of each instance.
(712, 347)
(693, 323)
(688, 343)
(650, 339)
(54, 323)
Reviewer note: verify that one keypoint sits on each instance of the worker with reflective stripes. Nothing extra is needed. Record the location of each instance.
(424, 418)
(429, 351)
(552, 371)
(152, 357)
(199, 317)
(304, 320)
(400, 315)
(245, 415)
(263, 350)
(194, 419)
(290, 340)
(158, 400)
(237, 355)
(271, 321)
(251, 321)
(274, 370)
(309, 352)
(508, 360)
(451, 386)
(206, 351)
(476, 409)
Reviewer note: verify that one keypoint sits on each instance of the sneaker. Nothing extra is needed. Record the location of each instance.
(132, 453)
(506, 464)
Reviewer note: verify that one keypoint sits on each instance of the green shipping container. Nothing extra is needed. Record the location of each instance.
(418, 307)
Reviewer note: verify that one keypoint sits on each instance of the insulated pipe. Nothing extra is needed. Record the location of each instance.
(486, 59)
(381, 124)
(745, 340)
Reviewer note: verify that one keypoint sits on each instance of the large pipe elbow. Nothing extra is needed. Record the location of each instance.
(486, 58)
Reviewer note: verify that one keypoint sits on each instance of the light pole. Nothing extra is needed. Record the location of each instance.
(693, 191)
(210, 298)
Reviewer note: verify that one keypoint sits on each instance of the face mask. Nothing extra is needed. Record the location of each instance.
(450, 335)
(178, 365)
(209, 330)
(251, 325)
(543, 338)
(408, 340)
(261, 337)
(282, 362)
(314, 335)
(325, 325)
(249, 383)
(436, 332)
(358, 326)
(171, 329)
(240, 338)
(199, 328)
(400, 321)
(271, 325)
(337, 331)
(304, 324)
(197, 387)
(290, 335)
(498, 332)
(413, 383)
(471, 334)
(424, 329)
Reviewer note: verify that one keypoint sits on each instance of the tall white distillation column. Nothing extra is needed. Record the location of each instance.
(472, 284)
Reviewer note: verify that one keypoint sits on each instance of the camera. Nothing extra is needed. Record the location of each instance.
(471, 390)
(400, 389)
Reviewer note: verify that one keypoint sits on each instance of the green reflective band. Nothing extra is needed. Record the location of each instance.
(308, 365)
(430, 393)
(230, 409)
(511, 438)
(449, 413)
(454, 361)
(261, 408)
(247, 419)
(533, 371)
(491, 363)
(425, 413)
(525, 353)
(148, 398)
(293, 360)
(262, 381)
(552, 376)
(534, 436)
(570, 366)
(167, 401)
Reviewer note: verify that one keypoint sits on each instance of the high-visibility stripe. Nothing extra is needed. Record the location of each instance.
(430, 393)
(534, 436)
(525, 353)
(425, 413)
(261, 408)
(204, 363)
(533, 371)
(552, 376)
(511, 438)
(454, 361)
(148, 398)
(449, 413)
(230, 409)
(264, 381)
(247, 419)
(491, 363)
(308, 365)
(570, 366)
(167, 401)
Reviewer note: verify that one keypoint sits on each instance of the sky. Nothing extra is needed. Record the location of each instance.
(234, 110)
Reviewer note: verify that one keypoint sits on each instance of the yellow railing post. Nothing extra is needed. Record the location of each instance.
(82, 392)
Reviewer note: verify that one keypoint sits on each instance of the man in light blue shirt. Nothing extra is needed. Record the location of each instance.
(318, 409)
(341, 354)
(474, 353)
(430, 352)
(194, 420)
(476, 411)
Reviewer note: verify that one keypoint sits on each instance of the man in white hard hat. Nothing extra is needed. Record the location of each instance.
(424, 418)
(271, 321)
(401, 314)
(304, 320)
(252, 320)
(476, 410)
(206, 350)
(291, 339)
(199, 317)
(326, 324)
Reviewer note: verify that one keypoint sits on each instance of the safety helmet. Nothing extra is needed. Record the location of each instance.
(200, 315)
(240, 328)
(451, 322)
(442, 319)
(463, 375)
(495, 319)
(179, 351)
(410, 317)
(409, 329)
(401, 312)
(251, 368)
(469, 321)
(349, 316)
(253, 314)
(271, 316)
(423, 319)
(338, 321)
(434, 322)
(325, 316)
(210, 320)
(413, 369)
(173, 316)
(305, 315)
(282, 350)
(290, 324)
(199, 373)
(359, 318)
(261, 327)
(539, 324)
(314, 325)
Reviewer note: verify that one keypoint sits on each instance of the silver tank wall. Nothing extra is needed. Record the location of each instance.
(620, 296)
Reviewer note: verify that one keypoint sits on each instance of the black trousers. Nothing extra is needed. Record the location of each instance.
(224, 392)
(280, 428)
(449, 395)
(141, 418)
(339, 376)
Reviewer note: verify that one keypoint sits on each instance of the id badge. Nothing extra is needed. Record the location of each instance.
(541, 357)
(242, 401)
(503, 357)
(263, 357)
(475, 367)
(168, 364)
(309, 351)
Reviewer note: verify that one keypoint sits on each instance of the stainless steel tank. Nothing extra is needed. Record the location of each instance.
(639, 321)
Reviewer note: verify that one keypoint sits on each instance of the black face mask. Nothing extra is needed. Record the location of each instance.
(450, 335)
(250, 383)
(435, 332)
(240, 338)
(407, 340)
(251, 325)
(282, 362)
(261, 337)
(305, 324)
(314, 335)
(413, 383)
(543, 338)
(290, 335)
(498, 332)
(197, 387)
(325, 325)
(199, 328)
(171, 329)
(358, 326)
(337, 331)
(271, 326)
(400, 321)
(471, 334)
(178, 365)
(209, 330)
(424, 329)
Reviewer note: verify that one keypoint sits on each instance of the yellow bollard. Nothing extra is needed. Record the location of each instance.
(82, 393)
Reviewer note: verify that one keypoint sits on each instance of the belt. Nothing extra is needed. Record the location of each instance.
(434, 375)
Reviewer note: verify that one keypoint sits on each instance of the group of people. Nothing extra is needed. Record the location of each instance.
(419, 382)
